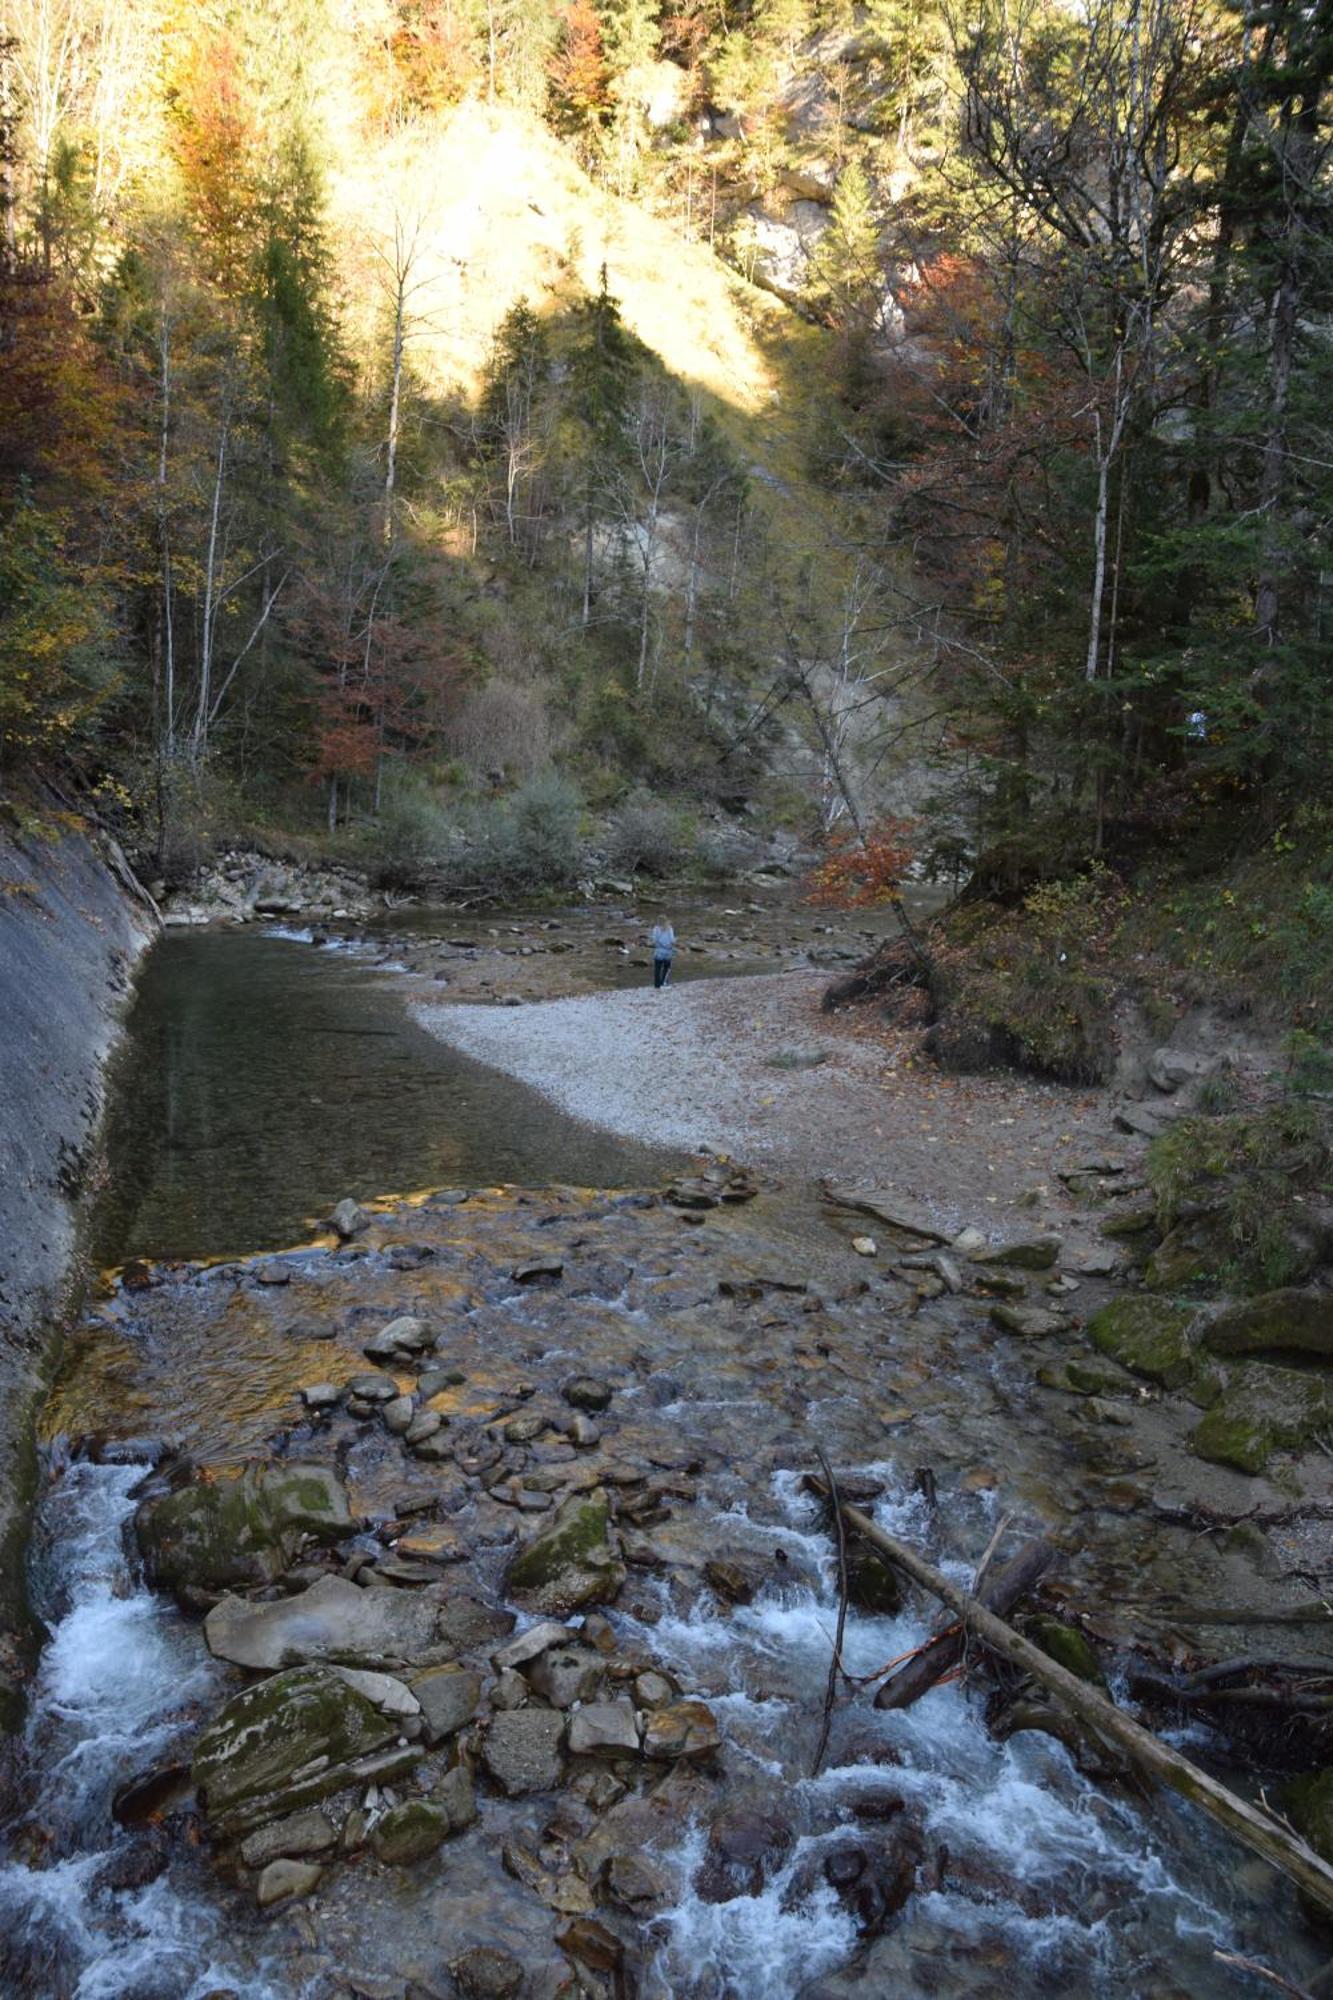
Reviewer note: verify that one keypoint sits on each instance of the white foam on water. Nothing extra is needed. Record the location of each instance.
(118, 1677)
(753, 1945)
(1018, 1812)
(290, 933)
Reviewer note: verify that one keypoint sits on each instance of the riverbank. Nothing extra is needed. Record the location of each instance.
(751, 1066)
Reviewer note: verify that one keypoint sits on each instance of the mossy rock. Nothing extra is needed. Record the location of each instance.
(1085, 1378)
(248, 1761)
(1192, 1254)
(231, 1529)
(1263, 1410)
(571, 1563)
(409, 1832)
(1127, 1222)
(871, 1584)
(1290, 1321)
(1149, 1336)
(1066, 1645)
(1308, 1804)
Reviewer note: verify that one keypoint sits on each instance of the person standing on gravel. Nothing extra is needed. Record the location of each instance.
(664, 944)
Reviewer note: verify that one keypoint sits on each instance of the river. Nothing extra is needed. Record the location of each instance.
(267, 1078)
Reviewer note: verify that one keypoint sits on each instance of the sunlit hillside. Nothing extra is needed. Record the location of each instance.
(489, 209)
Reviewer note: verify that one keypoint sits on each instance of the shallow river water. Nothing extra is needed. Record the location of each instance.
(267, 1080)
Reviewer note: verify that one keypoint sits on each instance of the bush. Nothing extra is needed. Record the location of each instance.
(413, 836)
(1030, 986)
(1252, 1179)
(648, 836)
(521, 844)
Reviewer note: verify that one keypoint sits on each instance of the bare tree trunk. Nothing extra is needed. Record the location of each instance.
(199, 734)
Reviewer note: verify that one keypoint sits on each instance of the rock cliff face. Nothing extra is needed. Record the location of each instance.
(73, 921)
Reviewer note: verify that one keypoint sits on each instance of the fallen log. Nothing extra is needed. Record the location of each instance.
(1258, 1830)
(998, 1591)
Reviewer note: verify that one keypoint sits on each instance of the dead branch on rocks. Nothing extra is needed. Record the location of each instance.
(1258, 1830)
(999, 1591)
(835, 1663)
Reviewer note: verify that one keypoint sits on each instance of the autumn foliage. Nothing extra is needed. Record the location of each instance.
(860, 870)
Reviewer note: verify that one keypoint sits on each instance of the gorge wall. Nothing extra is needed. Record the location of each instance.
(73, 922)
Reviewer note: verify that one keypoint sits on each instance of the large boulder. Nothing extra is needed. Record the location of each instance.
(1291, 1321)
(228, 1530)
(572, 1563)
(288, 1742)
(1150, 1336)
(333, 1620)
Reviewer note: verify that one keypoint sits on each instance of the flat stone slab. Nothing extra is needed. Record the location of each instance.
(522, 1750)
(333, 1620)
(603, 1728)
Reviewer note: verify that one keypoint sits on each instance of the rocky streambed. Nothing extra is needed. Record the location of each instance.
(438, 1608)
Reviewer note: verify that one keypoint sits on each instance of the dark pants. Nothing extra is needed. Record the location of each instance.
(661, 971)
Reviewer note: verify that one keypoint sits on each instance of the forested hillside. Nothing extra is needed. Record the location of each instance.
(839, 409)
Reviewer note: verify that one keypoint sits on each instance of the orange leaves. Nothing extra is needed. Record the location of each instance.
(859, 871)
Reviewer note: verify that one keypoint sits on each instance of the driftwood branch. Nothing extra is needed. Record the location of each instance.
(1000, 1589)
(835, 1663)
(1256, 1829)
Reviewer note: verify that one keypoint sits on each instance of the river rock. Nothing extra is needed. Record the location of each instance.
(522, 1751)
(456, 1798)
(529, 1644)
(1169, 1068)
(486, 1973)
(745, 1847)
(390, 1695)
(448, 1698)
(1029, 1253)
(405, 1335)
(585, 1392)
(565, 1674)
(571, 1563)
(603, 1728)
(1291, 1321)
(150, 1794)
(398, 1414)
(590, 1943)
(1027, 1322)
(409, 1832)
(1262, 1410)
(538, 1270)
(373, 1388)
(288, 1742)
(425, 1427)
(297, 1836)
(433, 1544)
(348, 1219)
(282, 1881)
(239, 1528)
(334, 1620)
(321, 1395)
(685, 1731)
(1148, 1335)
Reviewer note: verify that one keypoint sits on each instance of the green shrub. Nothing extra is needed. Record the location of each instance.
(1031, 985)
(1246, 1178)
(648, 836)
(413, 835)
(515, 846)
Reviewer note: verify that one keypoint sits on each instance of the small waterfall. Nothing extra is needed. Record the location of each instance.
(1068, 1884)
(119, 1685)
